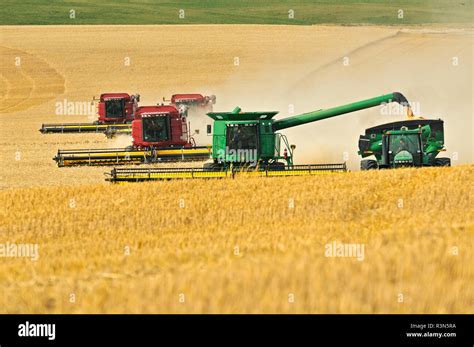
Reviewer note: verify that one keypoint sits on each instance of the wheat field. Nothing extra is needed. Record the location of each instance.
(246, 245)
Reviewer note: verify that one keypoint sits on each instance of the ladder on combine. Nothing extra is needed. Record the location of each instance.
(118, 175)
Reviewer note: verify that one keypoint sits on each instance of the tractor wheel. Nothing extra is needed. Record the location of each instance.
(442, 162)
(368, 164)
(212, 167)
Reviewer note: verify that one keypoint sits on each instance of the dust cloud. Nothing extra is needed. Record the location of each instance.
(121, 141)
(433, 69)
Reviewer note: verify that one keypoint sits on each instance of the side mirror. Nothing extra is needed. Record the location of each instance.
(209, 129)
(292, 147)
(196, 131)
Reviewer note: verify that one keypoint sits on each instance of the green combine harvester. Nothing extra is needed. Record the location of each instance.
(249, 144)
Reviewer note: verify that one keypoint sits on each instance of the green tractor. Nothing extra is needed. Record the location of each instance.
(251, 139)
(415, 142)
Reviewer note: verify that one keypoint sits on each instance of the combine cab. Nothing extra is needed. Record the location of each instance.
(160, 133)
(160, 126)
(116, 108)
(115, 113)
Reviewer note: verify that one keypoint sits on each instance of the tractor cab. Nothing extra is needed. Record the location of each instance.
(245, 138)
(159, 126)
(403, 148)
(117, 107)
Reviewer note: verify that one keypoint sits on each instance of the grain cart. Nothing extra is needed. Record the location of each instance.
(115, 113)
(160, 133)
(413, 142)
(249, 143)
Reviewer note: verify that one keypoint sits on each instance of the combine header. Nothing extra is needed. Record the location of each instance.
(247, 143)
(115, 113)
(154, 174)
(160, 133)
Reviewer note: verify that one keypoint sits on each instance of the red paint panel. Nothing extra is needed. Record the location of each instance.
(177, 126)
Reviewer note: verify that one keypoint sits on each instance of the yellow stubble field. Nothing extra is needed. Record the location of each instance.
(245, 245)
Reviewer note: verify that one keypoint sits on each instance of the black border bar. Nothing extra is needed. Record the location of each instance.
(329, 330)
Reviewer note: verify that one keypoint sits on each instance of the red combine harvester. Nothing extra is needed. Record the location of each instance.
(184, 102)
(115, 113)
(160, 126)
(117, 107)
(160, 133)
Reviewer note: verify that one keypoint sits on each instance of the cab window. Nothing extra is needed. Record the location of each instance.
(242, 137)
(155, 129)
(114, 108)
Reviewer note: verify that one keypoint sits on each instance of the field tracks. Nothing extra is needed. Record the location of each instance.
(27, 81)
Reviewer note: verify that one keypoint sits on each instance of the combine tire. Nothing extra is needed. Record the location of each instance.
(368, 164)
(442, 162)
(276, 166)
(212, 167)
